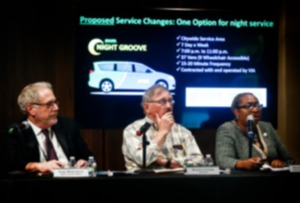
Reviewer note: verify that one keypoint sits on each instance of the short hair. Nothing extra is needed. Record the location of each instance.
(152, 91)
(29, 94)
(237, 99)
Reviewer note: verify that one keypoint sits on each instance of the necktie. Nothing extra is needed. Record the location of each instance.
(49, 146)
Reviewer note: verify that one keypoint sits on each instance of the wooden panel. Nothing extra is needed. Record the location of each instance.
(113, 153)
(94, 140)
(206, 141)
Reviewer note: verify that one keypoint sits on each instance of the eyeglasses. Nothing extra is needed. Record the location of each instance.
(163, 101)
(48, 104)
(250, 106)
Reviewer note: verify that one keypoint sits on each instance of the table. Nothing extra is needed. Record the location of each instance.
(251, 186)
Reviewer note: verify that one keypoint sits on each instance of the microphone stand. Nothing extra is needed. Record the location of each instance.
(250, 137)
(250, 130)
(18, 146)
(145, 143)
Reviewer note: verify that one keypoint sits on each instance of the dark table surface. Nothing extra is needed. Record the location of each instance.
(238, 186)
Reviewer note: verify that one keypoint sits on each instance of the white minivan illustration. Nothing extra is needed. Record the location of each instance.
(109, 76)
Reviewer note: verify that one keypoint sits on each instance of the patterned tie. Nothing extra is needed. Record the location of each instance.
(49, 146)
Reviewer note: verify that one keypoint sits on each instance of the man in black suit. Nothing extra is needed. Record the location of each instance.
(27, 147)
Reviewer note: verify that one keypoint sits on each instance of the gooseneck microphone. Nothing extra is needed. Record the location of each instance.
(145, 127)
(250, 132)
(21, 126)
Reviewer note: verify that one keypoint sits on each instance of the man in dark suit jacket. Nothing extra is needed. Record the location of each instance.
(25, 147)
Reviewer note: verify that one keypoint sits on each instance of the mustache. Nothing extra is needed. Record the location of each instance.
(168, 110)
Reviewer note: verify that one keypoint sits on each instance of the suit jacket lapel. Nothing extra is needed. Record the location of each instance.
(60, 135)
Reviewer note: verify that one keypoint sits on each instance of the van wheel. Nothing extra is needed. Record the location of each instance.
(106, 86)
(162, 83)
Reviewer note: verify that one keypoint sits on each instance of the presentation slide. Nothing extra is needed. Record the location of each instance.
(204, 57)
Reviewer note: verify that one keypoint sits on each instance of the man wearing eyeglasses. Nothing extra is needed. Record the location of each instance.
(233, 149)
(48, 141)
(169, 144)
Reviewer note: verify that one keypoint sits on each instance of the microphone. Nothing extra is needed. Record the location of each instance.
(22, 126)
(144, 127)
(250, 126)
(250, 131)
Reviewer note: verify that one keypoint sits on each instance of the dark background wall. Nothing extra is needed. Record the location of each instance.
(37, 43)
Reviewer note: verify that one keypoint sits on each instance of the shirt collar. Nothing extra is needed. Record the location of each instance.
(36, 129)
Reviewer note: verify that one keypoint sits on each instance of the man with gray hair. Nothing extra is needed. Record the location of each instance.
(170, 144)
(48, 141)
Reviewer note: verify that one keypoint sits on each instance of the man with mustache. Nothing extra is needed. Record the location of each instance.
(169, 145)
